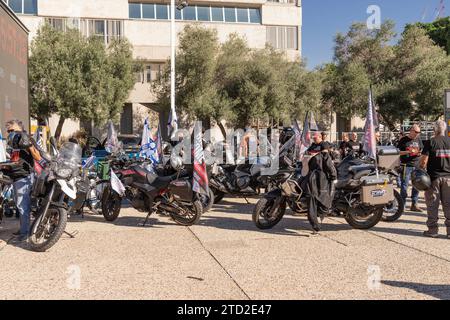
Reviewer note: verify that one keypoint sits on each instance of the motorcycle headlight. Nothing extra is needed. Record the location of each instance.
(64, 173)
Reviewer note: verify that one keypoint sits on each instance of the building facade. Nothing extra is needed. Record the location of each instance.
(146, 24)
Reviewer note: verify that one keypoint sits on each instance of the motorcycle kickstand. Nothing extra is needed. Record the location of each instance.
(248, 202)
(146, 219)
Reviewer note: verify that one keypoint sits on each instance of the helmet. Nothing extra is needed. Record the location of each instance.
(176, 162)
(421, 180)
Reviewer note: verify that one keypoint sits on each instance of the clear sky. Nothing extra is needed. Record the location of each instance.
(322, 19)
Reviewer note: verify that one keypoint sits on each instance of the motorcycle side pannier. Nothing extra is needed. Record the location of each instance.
(377, 191)
(182, 190)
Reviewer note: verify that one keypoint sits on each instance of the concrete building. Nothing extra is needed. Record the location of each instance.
(146, 24)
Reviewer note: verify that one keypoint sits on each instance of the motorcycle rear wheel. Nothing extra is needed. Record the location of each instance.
(394, 212)
(45, 234)
(111, 204)
(194, 214)
(260, 214)
(365, 223)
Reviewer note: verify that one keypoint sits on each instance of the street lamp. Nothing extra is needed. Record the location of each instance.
(181, 4)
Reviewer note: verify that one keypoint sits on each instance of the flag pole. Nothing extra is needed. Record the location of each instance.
(373, 113)
(172, 57)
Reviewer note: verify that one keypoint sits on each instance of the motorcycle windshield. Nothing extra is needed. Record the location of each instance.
(70, 154)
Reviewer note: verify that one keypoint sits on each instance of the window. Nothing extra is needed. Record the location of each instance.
(30, 6)
(15, 5)
(195, 13)
(230, 14)
(134, 10)
(203, 14)
(148, 11)
(282, 37)
(177, 14)
(189, 13)
(217, 14)
(255, 15)
(162, 12)
(242, 15)
(56, 23)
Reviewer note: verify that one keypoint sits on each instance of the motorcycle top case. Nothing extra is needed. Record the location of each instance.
(388, 157)
(377, 191)
(182, 190)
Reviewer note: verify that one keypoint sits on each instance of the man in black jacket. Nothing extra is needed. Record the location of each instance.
(22, 157)
(319, 185)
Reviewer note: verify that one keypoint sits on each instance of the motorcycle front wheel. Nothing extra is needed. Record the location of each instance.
(45, 232)
(189, 214)
(111, 204)
(261, 214)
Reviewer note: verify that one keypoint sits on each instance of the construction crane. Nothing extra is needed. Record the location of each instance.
(440, 11)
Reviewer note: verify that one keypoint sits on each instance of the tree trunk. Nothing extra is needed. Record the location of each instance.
(59, 128)
(222, 129)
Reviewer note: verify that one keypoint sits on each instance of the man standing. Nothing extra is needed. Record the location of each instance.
(22, 154)
(436, 160)
(318, 145)
(410, 148)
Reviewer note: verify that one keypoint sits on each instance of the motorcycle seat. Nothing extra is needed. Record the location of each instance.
(160, 182)
(362, 167)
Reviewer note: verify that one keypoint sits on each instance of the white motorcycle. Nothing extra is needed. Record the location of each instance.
(53, 190)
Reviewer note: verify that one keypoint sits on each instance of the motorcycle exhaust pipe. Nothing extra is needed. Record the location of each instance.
(169, 208)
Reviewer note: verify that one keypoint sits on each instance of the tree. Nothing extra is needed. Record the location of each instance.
(232, 82)
(408, 78)
(78, 78)
(438, 31)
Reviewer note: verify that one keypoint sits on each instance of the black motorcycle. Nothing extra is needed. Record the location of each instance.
(152, 193)
(360, 195)
(52, 192)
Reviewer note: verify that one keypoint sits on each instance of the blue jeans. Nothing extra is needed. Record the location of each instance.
(22, 196)
(405, 177)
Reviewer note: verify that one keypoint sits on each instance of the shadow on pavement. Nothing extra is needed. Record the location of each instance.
(128, 221)
(441, 292)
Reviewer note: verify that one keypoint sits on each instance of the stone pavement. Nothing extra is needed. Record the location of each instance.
(226, 257)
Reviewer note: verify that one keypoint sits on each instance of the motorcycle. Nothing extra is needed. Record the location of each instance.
(360, 195)
(149, 192)
(52, 191)
(246, 180)
(8, 208)
(90, 189)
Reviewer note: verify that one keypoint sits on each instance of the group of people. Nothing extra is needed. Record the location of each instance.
(433, 156)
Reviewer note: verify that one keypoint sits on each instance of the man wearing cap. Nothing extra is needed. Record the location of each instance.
(436, 161)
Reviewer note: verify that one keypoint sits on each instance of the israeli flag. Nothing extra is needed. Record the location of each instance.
(112, 142)
(89, 162)
(149, 148)
(2, 149)
(116, 184)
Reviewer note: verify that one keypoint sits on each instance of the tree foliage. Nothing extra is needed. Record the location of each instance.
(78, 78)
(229, 81)
(438, 31)
(408, 77)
